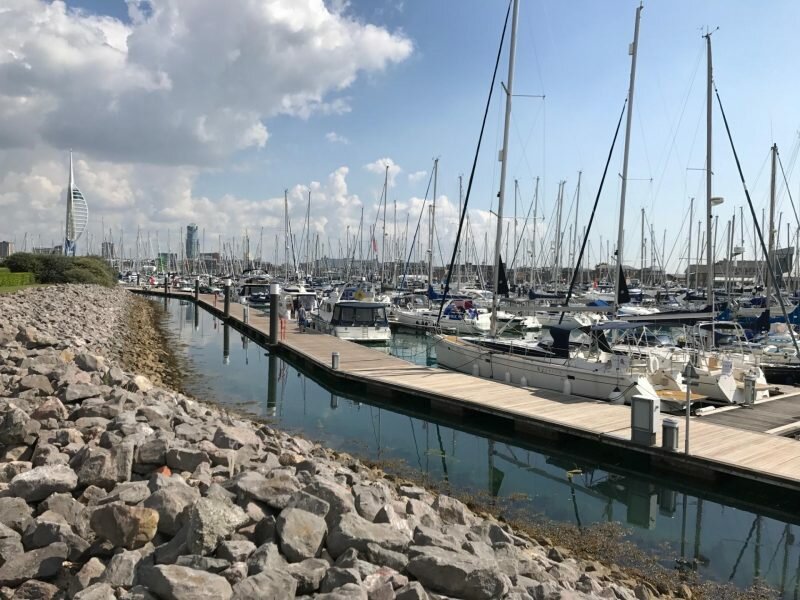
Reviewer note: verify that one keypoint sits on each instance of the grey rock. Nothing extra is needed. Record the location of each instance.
(233, 438)
(203, 563)
(37, 484)
(379, 555)
(210, 521)
(235, 550)
(15, 513)
(129, 492)
(457, 574)
(98, 468)
(313, 504)
(369, 500)
(453, 511)
(51, 408)
(96, 591)
(169, 552)
(173, 582)
(89, 573)
(185, 459)
(275, 584)
(274, 491)
(35, 590)
(265, 530)
(336, 577)
(309, 574)
(153, 452)
(90, 362)
(172, 504)
(235, 573)
(126, 526)
(121, 570)
(349, 591)
(412, 591)
(42, 563)
(266, 557)
(301, 534)
(41, 533)
(80, 391)
(16, 427)
(47, 454)
(337, 496)
(353, 531)
(39, 383)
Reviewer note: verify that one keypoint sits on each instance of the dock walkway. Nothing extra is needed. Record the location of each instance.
(716, 449)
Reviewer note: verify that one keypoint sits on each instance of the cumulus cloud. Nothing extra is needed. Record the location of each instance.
(152, 103)
(186, 82)
(335, 138)
(417, 176)
(379, 167)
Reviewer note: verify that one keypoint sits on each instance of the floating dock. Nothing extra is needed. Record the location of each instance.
(740, 443)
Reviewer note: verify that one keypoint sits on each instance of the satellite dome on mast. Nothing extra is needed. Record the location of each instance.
(77, 213)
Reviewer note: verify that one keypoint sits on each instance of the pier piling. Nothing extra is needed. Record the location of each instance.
(274, 302)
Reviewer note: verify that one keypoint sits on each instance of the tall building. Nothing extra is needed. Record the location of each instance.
(107, 250)
(192, 242)
(6, 249)
(77, 213)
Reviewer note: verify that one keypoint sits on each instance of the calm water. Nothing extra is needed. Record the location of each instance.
(715, 529)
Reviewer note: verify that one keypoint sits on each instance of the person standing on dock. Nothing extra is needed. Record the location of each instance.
(301, 317)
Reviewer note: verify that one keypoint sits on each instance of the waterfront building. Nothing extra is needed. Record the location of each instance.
(6, 249)
(192, 242)
(77, 213)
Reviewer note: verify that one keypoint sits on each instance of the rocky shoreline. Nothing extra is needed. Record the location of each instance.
(112, 486)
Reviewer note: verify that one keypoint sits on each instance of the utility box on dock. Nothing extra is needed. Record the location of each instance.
(645, 419)
(669, 435)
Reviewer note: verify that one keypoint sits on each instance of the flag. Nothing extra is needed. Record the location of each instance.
(374, 245)
(624, 296)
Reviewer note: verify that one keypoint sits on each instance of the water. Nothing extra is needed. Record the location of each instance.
(726, 533)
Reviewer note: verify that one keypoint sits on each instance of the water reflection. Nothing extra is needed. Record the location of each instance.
(722, 531)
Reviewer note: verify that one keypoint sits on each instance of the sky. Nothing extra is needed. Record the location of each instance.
(182, 111)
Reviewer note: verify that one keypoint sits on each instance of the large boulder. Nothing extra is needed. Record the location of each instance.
(353, 531)
(275, 584)
(209, 521)
(172, 504)
(301, 534)
(457, 574)
(37, 484)
(173, 582)
(127, 526)
(16, 427)
(42, 563)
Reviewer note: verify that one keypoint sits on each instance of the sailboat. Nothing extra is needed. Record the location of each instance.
(588, 369)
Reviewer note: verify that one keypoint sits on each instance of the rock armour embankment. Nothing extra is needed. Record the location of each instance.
(114, 487)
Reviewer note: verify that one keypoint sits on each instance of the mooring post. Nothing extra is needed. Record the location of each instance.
(274, 308)
(227, 299)
(226, 344)
(166, 286)
(272, 386)
(196, 289)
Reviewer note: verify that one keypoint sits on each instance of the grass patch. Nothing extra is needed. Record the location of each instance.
(53, 268)
(10, 289)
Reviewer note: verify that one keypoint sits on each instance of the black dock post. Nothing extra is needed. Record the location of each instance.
(274, 307)
(196, 289)
(227, 299)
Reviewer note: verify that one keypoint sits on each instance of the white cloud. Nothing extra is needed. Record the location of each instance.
(416, 176)
(187, 82)
(335, 138)
(151, 104)
(379, 167)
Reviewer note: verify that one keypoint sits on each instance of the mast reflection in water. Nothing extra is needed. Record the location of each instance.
(715, 531)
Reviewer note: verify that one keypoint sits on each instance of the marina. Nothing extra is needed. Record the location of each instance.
(717, 451)
(688, 523)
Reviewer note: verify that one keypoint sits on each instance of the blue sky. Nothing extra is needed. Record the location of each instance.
(429, 104)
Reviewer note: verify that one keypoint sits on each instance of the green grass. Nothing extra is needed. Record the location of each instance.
(15, 279)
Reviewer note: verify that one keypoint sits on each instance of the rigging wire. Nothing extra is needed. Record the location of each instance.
(594, 210)
(474, 165)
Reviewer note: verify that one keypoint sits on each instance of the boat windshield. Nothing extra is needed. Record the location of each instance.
(358, 316)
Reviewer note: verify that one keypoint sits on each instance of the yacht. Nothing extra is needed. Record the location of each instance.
(362, 321)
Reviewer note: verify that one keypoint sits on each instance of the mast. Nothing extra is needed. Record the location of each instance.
(286, 231)
(709, 248)
(574, 252)
(512, 49)
(533, 242)
(432, 215)
(383, 239)
(629, 119)
(771, 247)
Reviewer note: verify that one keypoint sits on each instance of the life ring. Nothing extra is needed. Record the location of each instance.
(652, 364)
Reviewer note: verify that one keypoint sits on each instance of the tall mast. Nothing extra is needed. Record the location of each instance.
(383, 239)
(689, 257)
(574, 251)
(629, 119)
(286, 230)
(533, 242)
(709, 238)
(512, 50)
(432, 215)
(771, 247)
